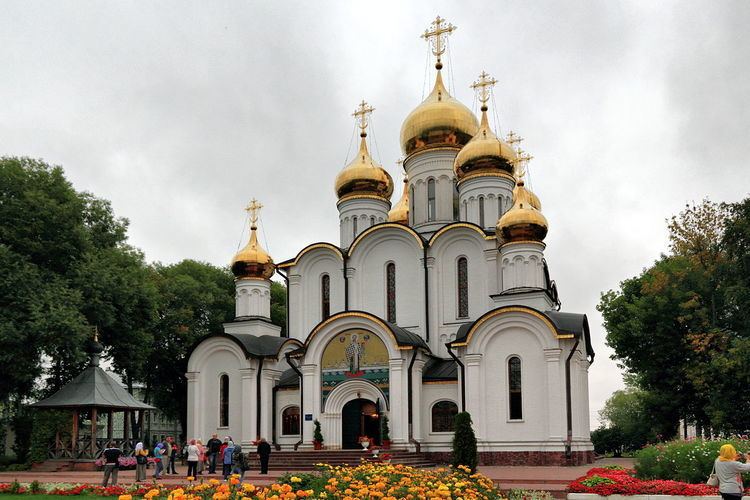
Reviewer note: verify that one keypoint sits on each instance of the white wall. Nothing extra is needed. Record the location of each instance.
(431, 394)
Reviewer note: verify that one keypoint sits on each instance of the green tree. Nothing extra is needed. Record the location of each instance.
(626, 412)
(464, 442)
(195, 299)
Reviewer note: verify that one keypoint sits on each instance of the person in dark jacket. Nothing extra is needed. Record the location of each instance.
(111, 463)
(264, 453)
(214, 445)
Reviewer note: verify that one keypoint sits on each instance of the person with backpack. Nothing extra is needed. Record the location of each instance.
(239, 462)
(159, 466)
(227, 459)
(141, 460)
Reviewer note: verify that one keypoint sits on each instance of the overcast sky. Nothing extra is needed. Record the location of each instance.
(180, 112)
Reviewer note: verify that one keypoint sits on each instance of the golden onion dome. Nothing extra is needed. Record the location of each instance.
(400, 212)
(440, 120)
(252, 262)
(485, 152)
(522, 222)
(364, 177)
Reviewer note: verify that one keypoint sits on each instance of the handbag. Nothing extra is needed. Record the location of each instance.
(713, 479)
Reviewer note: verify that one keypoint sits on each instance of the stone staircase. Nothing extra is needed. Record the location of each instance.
(306, 460)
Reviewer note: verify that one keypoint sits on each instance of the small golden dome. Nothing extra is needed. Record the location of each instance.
(522, 222)
(400, 212)
(485, 152)
(440, 120)
(364, 176)
(253, 262)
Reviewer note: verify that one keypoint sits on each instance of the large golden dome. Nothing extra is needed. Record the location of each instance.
(485, 152)
(252, 262)
(364, 177)
(522, 222)
(400, 212)
(440, 120)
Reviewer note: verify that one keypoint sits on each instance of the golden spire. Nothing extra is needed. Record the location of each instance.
(483, 87)
(363, 176)
(437, 38)
(400, 211)
(253, 210)
(253, 262)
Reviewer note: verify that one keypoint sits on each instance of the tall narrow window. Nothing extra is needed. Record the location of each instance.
(431, 199)
(290, 421)
(481, 211)
(372, 220)
(354, 227)
(462, 278)
(514, 387)
(390, 284)
(499, 206)
(224, 401)
(411, 204)
(325, 296)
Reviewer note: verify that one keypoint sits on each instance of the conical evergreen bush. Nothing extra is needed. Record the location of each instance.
(464, 442)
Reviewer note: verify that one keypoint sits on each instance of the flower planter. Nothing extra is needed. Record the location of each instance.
(317, 445)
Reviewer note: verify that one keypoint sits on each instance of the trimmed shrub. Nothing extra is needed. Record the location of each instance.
(464, 442)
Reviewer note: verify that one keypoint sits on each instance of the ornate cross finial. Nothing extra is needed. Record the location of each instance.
(361, 114)
(254, 210)
(521, 162)
(482, 87)
(512, 138)
(437, 37)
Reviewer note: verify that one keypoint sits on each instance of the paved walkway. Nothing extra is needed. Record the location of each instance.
(507, 477)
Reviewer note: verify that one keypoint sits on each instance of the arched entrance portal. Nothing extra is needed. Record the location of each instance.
(359, 417)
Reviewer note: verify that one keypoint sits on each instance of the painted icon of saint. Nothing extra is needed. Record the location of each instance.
(354, 353)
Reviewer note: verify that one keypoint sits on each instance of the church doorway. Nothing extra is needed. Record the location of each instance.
(359, 417)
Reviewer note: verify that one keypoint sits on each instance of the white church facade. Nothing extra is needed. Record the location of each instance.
(438, 304)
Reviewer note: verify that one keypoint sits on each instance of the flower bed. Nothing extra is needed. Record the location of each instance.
(618, 481)
(367, 481)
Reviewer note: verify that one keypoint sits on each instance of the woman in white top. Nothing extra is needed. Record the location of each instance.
(193, 453)
(729, 471)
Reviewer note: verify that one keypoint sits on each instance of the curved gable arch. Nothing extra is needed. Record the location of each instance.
(458, 226)
(320, 246)
(204, 350)
(520, 316)
(384, 227)
(343, 321)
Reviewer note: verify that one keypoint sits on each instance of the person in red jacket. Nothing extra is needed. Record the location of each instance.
(222, 448)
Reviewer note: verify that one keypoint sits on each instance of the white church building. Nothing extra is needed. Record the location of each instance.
(438, 304)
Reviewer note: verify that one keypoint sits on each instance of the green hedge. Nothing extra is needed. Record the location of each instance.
(688, 461)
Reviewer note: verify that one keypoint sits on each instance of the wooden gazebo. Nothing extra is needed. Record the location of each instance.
(95, 392)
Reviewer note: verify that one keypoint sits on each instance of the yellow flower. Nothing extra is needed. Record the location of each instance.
(295, 479)
(190, 478)
(125, 497)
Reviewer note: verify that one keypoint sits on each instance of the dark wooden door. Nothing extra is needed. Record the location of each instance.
(351, 424)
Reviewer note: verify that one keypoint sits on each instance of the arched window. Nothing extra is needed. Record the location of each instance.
(462, 281)
(431, 199)
(411, 204)
(443, 414)
(514, 388)
(290, 421)
(372, 220)
(325, 296)
(354, 227)
(390, 290)
(224, 401)
(499, 206)
(481, 211)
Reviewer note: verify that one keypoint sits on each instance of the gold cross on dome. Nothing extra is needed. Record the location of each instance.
(512, 138)
(254, 210)
(437, 35)
(361, 113)
(521, 163)
(482, 87)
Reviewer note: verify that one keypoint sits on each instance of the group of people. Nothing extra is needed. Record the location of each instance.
(198, 457)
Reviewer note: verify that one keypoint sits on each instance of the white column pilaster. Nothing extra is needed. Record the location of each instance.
(416, 388)
(474, 392)
(311, 403)
(399, 418)
(248, 406)
(555, 394)
(194, 405)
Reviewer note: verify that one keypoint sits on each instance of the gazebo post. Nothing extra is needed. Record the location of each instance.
(141, 422)
(109, 425)
(126, 429)
(74, 435)
(93, 432)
